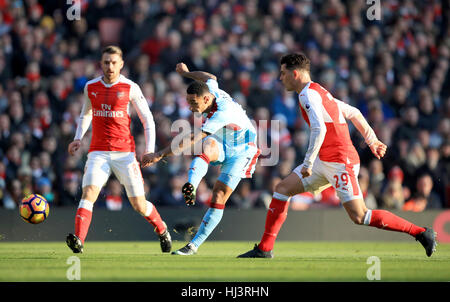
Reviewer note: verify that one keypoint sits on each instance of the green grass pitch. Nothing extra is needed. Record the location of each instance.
(216, 261)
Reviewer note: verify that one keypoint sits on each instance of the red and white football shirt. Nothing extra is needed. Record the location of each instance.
(330, 137)
(108, 107)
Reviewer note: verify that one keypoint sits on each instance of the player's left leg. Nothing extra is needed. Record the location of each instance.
(222, 190)
(343, 177)
(149, 212)
(276, 215)
(292, 185)
(199, 167)
(234, 168)
(386, 220)
(382, 219)
(127, 170)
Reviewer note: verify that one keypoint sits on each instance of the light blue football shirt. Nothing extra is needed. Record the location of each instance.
(228, 121)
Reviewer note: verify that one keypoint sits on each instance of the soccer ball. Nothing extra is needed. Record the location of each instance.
(34, 209)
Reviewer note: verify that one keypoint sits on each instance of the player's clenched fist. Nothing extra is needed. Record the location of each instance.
(150, 159)
(181, 68)
(306, 172)
(74, 146)
(378, 149)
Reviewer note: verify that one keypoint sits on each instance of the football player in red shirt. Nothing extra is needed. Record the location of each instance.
(331, 160)
(112, 150)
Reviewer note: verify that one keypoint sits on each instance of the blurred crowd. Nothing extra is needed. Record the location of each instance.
(395, 70)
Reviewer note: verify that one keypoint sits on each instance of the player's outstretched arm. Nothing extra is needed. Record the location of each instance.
(358, 120)
(377, 147)
(173, 149)
(200, 76)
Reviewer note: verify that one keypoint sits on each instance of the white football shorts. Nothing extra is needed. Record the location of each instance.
(343, 177)
(124, 165)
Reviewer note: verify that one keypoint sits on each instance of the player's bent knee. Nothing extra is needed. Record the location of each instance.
(290, 186)
(357, 218)
(218, 197)
(210, 149)
(283, 188)
(356, 210)
(221, 193)
(280, 188)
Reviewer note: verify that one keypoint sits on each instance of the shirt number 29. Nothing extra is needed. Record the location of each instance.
(344, 180)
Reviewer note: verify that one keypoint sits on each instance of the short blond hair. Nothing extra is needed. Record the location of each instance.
(112, 49)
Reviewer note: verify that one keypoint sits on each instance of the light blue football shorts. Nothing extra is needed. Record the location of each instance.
(236, 162)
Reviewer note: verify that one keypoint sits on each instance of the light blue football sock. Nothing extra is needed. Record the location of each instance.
(209, 223)
(197, 170)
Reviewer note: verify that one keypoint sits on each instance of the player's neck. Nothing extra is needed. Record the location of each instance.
(208, 110)
(301, 85)
(110, 80)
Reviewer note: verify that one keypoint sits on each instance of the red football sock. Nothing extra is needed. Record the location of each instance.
(386, 220)
(276, 215)
(155, 219)
(82, 221)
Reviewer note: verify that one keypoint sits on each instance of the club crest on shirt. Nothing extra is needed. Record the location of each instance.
(120, 94)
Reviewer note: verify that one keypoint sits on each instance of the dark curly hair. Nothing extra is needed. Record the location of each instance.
(296, 61)
(197, 88)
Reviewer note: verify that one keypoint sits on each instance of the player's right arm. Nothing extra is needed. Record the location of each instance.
(311, 103)
(200, 76)
(186, 143)
(84, 121)
(355, 116)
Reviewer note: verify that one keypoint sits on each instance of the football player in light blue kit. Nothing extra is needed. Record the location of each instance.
(229, 140)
